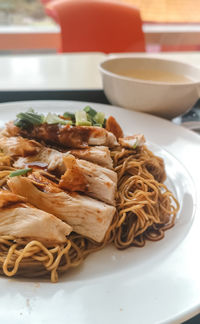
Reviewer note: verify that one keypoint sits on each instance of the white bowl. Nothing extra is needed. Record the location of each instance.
(164, 99)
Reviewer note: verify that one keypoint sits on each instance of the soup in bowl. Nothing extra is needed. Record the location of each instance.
(162, 87)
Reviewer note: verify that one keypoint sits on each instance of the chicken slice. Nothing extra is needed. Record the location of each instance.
(47, 158)
(113, 127)
(87, 216)
(18, 146)
(100, 136)
(94, 180)
(27, 222)
(52, 159)
(66, 136)
(9, 198)
(5, 160)
(96, 154)
(44, 181)
(73, 179)
(97, 181)
(132, 141)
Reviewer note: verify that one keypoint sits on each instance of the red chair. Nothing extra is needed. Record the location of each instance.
(98, 26)
(44, 2)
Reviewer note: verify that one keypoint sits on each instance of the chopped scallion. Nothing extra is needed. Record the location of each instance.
(81, 119)
(90, 111)
(31, 110)
(135, 144)
(54, 119)
(99, 118)
(97, 125)
(69, 116)
(86, 117)
(19, 172)
(83, 123)
(31, 118)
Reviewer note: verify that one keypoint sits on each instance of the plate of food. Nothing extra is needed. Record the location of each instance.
(99, 215)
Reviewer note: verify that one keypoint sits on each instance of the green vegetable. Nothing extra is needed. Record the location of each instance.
(99, 118)
(69, 116)
(22, 124)
(90, 111)
(31, 110)
(97, 125)
(28, 119)
(81, 119)
(96, 118)
(19, 172)
(135, 145)
(104, 123)
(87, 117)
(31, 118)
(54, 119)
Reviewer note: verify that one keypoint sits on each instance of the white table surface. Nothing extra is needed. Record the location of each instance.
(50, 71)
(62, 71)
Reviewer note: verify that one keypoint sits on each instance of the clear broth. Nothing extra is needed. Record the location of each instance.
(156, 75)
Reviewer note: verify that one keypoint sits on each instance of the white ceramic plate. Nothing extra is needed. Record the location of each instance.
(159, 283)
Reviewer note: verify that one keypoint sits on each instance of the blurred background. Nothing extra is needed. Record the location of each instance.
(31, 12)
(169, 25)
(23, 13)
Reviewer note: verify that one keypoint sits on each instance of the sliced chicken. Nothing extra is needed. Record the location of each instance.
(66, 136)
(94, 180)
(18, 146)
(132, 141)
(44, 181)
(96, 154)
(84, 176)
(26, 222)
(113, 127)
(5, 160)
(74, 178)
(52, 159)
(87, 216)
(100, 136)
(47, 158)
(8, 198)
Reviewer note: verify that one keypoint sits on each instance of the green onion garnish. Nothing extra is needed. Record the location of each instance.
(91, 112)
(81, 119)
(99, 118)
(94, 117)
(86, 117)
(69, 116)
(19, 172)
(31, 118)
(28, 119)
(54, 119)
(97, 125)
(104, 123)
(135, 145)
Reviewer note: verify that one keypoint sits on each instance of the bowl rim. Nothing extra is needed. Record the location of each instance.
(147, 82)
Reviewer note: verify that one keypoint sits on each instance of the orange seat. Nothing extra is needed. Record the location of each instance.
(98, 26)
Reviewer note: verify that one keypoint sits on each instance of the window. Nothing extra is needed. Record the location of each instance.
(23, 12)
(25, 27)
(169, 25)
(168, 11)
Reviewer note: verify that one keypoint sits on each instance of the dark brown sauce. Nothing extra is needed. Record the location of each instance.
(45, 132)
(65, 136)
(77, 136)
